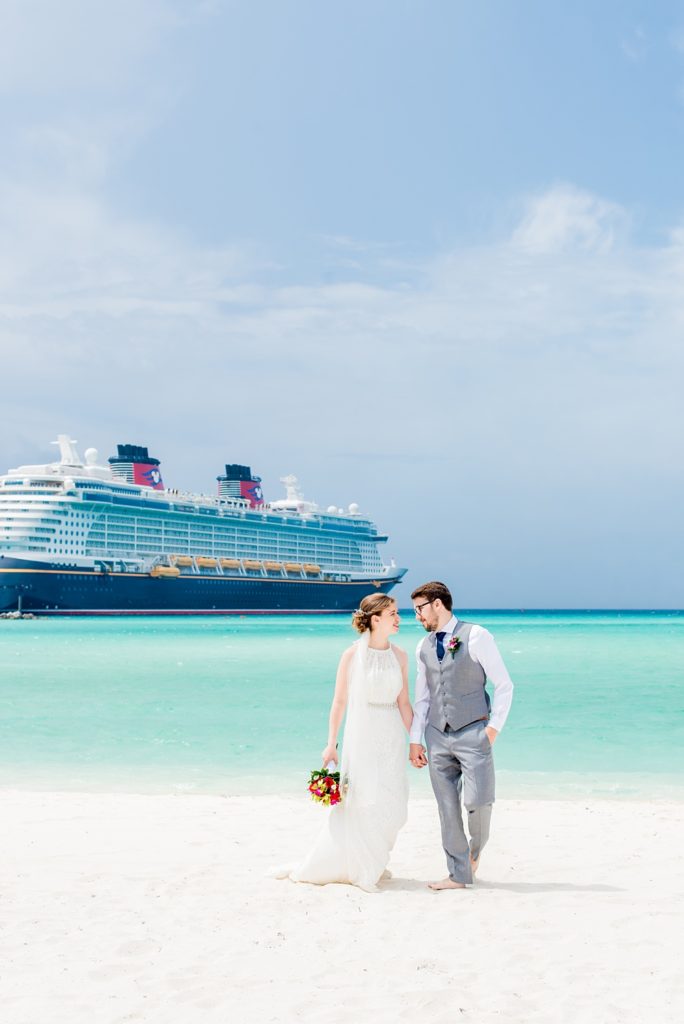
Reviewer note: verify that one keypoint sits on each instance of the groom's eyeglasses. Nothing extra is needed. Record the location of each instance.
(417, 607)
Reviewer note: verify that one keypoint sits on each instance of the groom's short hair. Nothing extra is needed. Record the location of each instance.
(432, 591)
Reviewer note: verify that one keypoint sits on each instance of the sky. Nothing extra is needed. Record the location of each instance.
(427, 255)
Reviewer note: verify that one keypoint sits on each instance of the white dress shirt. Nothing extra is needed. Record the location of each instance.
(483, 650)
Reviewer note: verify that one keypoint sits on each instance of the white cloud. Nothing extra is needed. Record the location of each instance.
(553, 280)
(48, 48)
(566, 218)
(65, 253)
(78, 152)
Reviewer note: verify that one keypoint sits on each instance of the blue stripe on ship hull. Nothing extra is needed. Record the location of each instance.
(88, 593)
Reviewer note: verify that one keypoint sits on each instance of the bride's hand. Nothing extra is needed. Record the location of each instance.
(329, 754)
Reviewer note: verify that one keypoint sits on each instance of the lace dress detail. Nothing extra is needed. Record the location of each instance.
(356, 841)
(383, 678)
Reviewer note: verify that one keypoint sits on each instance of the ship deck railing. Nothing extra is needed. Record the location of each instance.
(238, 506)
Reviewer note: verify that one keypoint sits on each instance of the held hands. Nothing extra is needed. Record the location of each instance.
(329, 754)
(417, 755)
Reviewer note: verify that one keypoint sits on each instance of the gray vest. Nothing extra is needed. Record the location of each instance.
(456, 683)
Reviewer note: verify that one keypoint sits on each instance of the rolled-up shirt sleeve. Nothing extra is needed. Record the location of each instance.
(421, 702)
(482, 648)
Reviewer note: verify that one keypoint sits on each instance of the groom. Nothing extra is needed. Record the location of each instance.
(453, 708)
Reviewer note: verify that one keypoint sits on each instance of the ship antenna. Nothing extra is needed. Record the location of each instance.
(67, 450)
(292, 488)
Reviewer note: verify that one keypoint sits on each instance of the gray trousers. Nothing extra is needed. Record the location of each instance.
(461, 763)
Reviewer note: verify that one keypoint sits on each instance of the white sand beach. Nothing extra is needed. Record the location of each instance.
(123, 908)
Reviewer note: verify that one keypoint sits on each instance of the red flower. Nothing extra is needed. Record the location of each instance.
(324, 787)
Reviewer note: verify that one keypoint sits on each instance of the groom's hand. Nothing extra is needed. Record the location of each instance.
(491, 734)
(417, 755)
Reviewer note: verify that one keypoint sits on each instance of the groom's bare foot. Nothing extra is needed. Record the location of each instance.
(446, 883)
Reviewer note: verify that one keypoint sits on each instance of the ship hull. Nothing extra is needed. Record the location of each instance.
(45, 589)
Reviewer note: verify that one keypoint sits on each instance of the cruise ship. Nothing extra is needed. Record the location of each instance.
(81, 538)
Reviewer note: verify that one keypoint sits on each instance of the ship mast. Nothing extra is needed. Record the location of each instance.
(67, 450)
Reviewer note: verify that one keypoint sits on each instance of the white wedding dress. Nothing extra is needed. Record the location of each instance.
(358, 835)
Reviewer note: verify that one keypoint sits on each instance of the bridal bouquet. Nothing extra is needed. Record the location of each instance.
(324, 787)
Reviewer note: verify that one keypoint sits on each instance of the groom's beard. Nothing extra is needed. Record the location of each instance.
(429, 626)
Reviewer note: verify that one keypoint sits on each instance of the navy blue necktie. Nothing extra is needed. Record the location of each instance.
(440, 644)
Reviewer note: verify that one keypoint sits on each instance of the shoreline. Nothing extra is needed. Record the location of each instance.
(511, 786)
(152, 908)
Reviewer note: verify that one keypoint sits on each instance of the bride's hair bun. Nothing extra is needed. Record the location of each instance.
(360, 620)
(371, 605)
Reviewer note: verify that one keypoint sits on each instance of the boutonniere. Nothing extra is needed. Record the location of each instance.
(453, 645)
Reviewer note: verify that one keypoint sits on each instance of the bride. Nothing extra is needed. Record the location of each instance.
(372, 686)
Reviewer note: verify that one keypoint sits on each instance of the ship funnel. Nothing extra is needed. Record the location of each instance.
(134, 465)
(239, 482)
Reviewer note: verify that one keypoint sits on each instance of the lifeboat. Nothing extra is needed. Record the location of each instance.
(206, 563)
(273, 566)
(182, 560)
(293, 567)
(230, 563)
(165, 572)
(312, 570)
(251, 563)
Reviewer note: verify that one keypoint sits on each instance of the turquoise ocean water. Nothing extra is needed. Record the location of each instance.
(234, 705)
